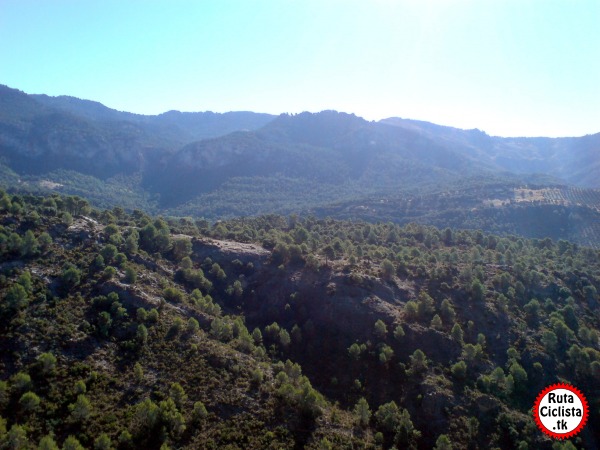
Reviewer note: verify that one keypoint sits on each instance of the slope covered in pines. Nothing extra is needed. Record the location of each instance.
(124, 330)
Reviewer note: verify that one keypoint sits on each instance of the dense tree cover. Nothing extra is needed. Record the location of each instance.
(499, 317)
(128, 357)
(305, 332)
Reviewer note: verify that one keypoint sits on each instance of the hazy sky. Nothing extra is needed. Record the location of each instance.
(508, 67)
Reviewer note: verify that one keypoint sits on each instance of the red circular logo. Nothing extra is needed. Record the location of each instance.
(561, 411)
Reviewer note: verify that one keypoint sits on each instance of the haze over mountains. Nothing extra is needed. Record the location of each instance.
(573, 159)
(244, 163)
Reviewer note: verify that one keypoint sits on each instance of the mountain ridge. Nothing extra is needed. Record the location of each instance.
(523, 155)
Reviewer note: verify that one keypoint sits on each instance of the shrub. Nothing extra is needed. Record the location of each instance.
(102, 442)
(21, 382)
(173, 295)
(141, 334)
(130, 275)
(192, 325)
(71, 443)
(81, 409)
(47, 443)
(380, 329)
(399, 333)
(459, 370)
(199, 412)
(47, 363)
(29, 402)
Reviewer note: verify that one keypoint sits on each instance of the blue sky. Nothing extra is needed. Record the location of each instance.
(508, 67)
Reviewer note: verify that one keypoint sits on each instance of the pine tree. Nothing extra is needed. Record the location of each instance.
(443, 443)
(380, 329)
(81, 409)
(457, 333)
(362, 412)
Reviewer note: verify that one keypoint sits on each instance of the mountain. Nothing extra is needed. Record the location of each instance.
(329, 163)
(573, 159)
(124, 329)
(180, 127)
(39, 134)
(339, 155)
(339, 165)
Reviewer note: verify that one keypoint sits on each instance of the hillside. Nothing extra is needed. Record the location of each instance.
(109, 347)
(129, 330)
(339, 155)
(501, 206)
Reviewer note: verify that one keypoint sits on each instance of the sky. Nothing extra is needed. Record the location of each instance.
(507, 67)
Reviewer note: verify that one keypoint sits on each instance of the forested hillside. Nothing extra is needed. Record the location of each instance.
(129, 331)
(497, 205)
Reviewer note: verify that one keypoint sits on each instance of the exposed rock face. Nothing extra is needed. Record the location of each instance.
(225, 252)
(487, 404)
(135, 297)
(212, 248)
(84, 229)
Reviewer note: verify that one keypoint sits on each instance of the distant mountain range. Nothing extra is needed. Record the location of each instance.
(244, 163)
(39, 134)
(576, 160)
